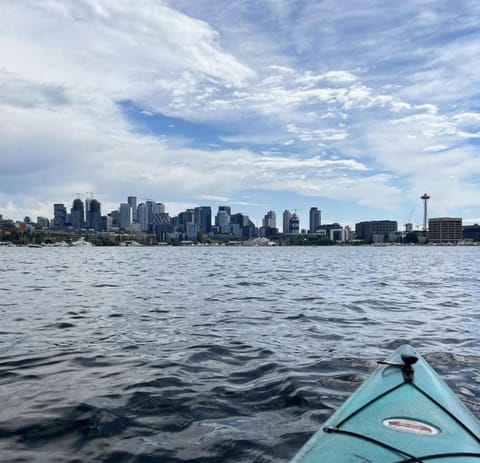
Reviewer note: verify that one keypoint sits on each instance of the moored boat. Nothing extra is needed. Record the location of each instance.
(81, 242)
(404, 413)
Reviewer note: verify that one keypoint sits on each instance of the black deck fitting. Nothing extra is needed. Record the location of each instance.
(408, 360)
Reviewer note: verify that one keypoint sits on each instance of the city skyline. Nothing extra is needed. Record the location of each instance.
(150, 222)
(313, 214)
(356, 109)
(141, 212)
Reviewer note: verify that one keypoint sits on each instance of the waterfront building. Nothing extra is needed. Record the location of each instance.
(336, 234)
(445, 230)
(125, 217)
(77, 214)
(7, 226)
(471, 232)
(315, 219)
(287, 215)
(379, 228)
(59, 216)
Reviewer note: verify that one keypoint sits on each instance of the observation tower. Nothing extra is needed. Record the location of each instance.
(425, 199)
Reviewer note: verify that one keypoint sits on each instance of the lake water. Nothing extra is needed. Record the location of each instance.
(215, 354)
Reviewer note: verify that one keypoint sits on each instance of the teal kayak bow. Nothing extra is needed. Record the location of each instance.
(404, 413)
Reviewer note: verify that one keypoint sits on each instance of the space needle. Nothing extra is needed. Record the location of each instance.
(425, 199)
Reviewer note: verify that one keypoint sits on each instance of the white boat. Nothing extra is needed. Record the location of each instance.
(60, 244)
(82, 242)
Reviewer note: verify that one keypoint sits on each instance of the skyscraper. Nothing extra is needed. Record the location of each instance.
(142, 216)
(270, 220)
(188, 217)
(77, 214)
(94, 214)
(202, 216)
(125, 219)
(132, 200)
(149, 209)
(227, 209)
(59, 216)
(315, 219)
(222, 219)
(158, 208)
(287, 215)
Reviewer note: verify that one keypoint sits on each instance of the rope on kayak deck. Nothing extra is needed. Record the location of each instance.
(411, 458)
(364, 406)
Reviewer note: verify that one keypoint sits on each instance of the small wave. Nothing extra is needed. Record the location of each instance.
(61, 325)
(105, 285)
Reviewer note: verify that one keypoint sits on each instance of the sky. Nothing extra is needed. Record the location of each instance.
(357, 108)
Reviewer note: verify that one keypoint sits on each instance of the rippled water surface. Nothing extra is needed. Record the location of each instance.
(215, 354)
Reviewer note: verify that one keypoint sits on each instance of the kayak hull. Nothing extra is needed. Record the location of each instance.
(394, 418)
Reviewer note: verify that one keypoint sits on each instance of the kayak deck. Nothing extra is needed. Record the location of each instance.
(398, 416)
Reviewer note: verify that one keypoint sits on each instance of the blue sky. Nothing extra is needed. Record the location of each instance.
(357, 108)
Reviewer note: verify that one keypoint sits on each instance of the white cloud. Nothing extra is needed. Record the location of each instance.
(467, 117)
(435, 148)
(222, 199)
(317, 135)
